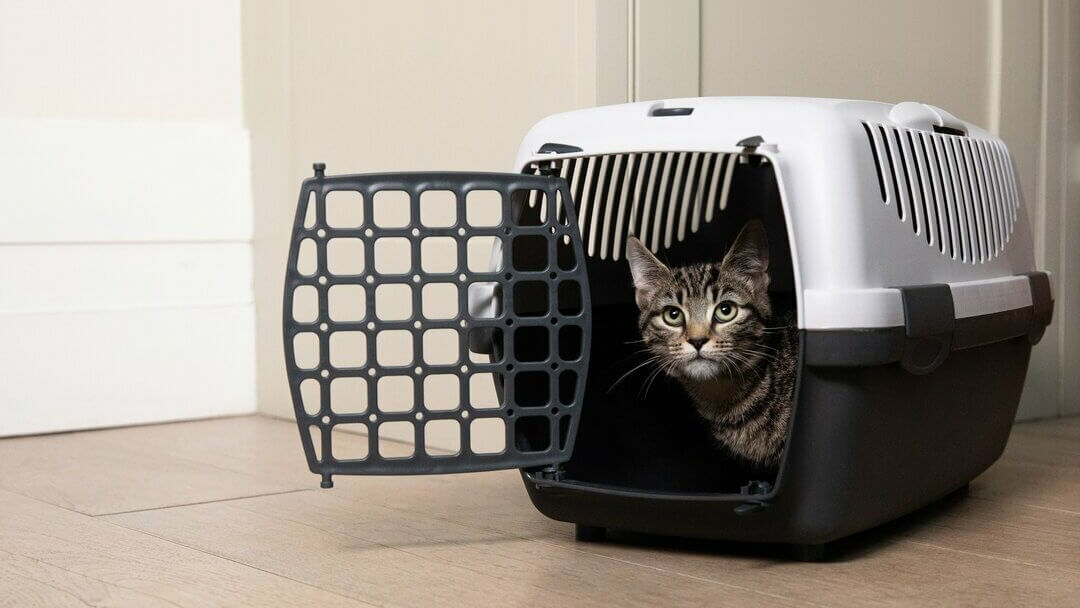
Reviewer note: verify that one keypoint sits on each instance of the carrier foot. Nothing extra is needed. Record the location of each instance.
(589, 534)
(807, 552)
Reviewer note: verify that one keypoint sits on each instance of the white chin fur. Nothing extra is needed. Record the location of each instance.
(699, 369)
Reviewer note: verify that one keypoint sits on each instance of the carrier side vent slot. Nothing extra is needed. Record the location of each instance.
(957, 192)
(661, 197)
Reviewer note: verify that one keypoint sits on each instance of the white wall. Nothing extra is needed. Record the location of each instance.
(125, 220)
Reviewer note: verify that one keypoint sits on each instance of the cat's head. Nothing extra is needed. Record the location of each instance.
(705, 320)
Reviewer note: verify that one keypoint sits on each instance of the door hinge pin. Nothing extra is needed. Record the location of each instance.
(552, 473)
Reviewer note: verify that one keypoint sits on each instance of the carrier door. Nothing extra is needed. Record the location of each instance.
(391, 370)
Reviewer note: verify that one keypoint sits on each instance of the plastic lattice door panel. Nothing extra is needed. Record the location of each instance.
(435, 322)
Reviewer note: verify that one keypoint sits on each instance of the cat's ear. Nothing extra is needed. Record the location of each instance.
(649, 272)
(749, 256)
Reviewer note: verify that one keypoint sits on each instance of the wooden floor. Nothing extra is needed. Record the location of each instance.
(224, 512)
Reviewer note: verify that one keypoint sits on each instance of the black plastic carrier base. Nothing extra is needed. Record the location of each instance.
(885, 421)
(866, 445)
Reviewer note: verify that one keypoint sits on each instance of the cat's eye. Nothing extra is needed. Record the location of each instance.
(725, 311)
(672, 316)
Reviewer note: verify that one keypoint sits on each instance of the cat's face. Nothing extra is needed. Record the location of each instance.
(706, 320)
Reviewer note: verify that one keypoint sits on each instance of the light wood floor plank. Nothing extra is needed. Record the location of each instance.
(1039, 485)
(139, 468)
(115, 557)
(475, 539)
(28, 582)
(890, 565)
(409, 558)
(1046, 442)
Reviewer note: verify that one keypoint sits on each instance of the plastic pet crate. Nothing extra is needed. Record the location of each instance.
(898, 241)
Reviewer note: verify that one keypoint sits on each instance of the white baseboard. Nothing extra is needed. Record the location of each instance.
(88, 181)
(106, 368)
(73, 278)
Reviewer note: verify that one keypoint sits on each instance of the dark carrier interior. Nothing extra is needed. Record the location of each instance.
(638, 430)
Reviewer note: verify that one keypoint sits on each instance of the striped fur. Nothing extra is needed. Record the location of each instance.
(740, 373)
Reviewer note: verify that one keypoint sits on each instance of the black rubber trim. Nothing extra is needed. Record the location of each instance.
(854, 347)
(1042, 303)
(868, 347)
(987, 329)
(553, 148)
(929, 321)
(931, 331)
(672, 112)
(949, 130)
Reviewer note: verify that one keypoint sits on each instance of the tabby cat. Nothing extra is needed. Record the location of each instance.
(711, 327)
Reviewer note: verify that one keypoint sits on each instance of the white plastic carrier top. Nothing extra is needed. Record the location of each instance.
(876, 195)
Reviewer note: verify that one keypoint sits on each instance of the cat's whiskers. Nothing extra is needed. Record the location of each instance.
(652, 359)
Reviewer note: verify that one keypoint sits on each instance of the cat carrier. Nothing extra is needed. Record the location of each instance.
(455, 322)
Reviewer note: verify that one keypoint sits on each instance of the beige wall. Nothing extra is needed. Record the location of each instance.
(426, 85)
(1008, 65)
(413, 85)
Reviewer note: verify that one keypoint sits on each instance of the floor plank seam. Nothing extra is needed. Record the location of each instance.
(197, 503)
(999, 558)
(240, 563)
(1005, 501)
(1052, 509)
(93, 578)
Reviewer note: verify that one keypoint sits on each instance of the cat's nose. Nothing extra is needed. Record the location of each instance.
(697, 342)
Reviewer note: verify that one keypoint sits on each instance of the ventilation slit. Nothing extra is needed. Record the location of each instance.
(918, 159)
(995, 187)
(953, 167)
(629, 172)
(688, 183)
(614, 195)
(672, 196)
(643, 169)
(877, 162)
(592, 168)
(601, 181)
(896, 169)
(725, 188)
(999, 191)
(1014, 200)
(986, 220)
(708, 162)
(577, 184)
(662, 201)
(1003, 187)
(976, 214)
(906, 159)
(987, 183)
(1007, 158)
(941, 213)
(948, 197)
(565, 172)
(712, 191)
(651, 197)
(969, 201)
